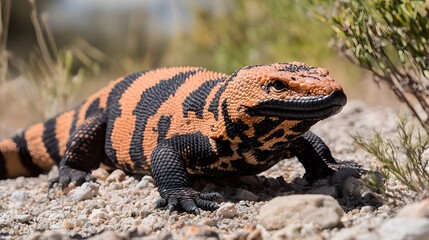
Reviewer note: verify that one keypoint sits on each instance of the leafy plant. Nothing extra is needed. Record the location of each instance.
(405, 161)
(4, 28)
(49, 71)
(390, 39)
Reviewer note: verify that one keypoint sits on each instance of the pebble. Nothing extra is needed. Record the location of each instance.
(99, 214)
(116, 176)
(244, 194)
(326, 190)
(146, 182)
(67, 224)
(88, 190)
(100, 173)
(352, 187)
(415, 210)
(323, 211)
(404, 229)
(19, 196)
(227, 210)
(23, 218)
(198, 232)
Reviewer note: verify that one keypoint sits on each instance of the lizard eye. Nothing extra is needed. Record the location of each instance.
(279, 86)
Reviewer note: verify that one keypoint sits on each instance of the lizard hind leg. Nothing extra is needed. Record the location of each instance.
(170, 175)
(84, 152)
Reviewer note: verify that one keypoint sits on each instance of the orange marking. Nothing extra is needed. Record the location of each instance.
(172, 106)
(62, 130)
(84, 108)
(124, 125)
(36, 147)
(105, 92)
(13, 163)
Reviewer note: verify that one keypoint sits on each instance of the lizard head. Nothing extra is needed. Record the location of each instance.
(291, 91)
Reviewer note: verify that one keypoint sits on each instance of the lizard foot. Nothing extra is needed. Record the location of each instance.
(189, 200)
(67, 175)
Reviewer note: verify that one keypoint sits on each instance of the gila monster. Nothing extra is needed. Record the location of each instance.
(181, 121)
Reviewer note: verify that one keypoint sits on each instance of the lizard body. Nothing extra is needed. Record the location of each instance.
(175, 122)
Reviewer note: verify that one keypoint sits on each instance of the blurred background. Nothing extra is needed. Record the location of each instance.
(54, 53)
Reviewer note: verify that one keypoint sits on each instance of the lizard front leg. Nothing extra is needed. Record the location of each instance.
(84, 152)
(171, 177)
(317, 159)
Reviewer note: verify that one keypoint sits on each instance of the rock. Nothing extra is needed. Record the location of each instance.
(110, 235)
(116, 176)
(301, 181)
(244, 194)
(404, 229)
(100, 173)
(146, 182)
(339, 177)
(99, 214)
(50, 234)
(197, 232)
(19, 196)
(415, 210)
(326, 190)
(88, 190)
(23, 218)
(352, 187)
(67, 224)
(227, 210)
(323, 211)
(348, 180)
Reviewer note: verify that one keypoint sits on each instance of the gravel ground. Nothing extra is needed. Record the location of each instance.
(122, 207)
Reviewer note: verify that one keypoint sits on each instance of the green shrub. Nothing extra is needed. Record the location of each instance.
(405, 161)
(390, 39)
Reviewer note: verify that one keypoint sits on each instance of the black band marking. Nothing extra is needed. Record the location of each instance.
(163, 127)
(3, 170)
(93, 108)
(24, 155)
(114, 110)
(196, 100)
(50, 141)
(150, 101)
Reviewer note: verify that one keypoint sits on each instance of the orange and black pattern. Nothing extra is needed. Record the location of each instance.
(175, 122)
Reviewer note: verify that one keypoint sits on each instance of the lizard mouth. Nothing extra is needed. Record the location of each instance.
(305, 108)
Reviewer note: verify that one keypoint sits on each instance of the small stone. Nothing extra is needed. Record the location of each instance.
(19, 196)
(244, 194)
(301, 181)
(116, 176)
(109, 234)
(326, 190)
(254, 235)
(146, 182)
(352, 187)
(415, 210)
(321, 182)
(88, 190)
(227, 210)
(323, 211)
(250, 180)
(198, 232)
(211, 222)
(67, 224)
(339, 177)
(99, 214)
(367, 209)
(404, 229)
(100, 173)
(23, 218)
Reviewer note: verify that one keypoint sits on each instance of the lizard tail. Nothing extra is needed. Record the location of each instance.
(38, 148)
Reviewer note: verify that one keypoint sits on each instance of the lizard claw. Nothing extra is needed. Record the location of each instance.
(70, 175)
(190, 201)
